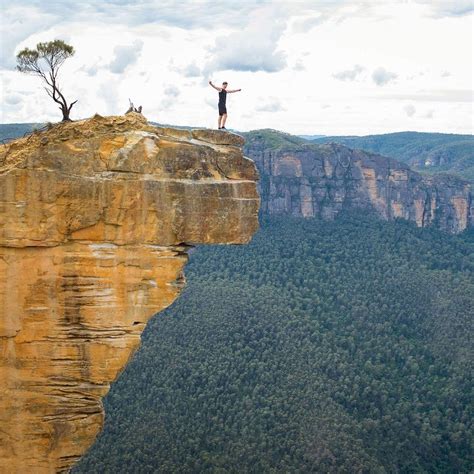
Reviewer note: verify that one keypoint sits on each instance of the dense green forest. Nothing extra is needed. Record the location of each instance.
(341, 346)
(428, 152)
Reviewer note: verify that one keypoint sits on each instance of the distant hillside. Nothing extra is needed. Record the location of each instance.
(10, 131)
(273, 139)
(302, 178)
(314, 178)
(425, 152)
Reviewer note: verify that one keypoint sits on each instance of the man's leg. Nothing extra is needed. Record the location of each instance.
(224, 118)
(219, 121)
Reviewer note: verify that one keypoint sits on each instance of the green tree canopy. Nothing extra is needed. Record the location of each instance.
(45, 61)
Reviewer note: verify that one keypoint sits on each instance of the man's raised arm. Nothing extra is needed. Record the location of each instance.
(234, 90)
(216, 88)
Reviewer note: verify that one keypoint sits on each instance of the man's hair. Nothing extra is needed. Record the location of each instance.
(225, 82)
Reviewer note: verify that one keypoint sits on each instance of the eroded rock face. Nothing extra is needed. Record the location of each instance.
(96, 218)
(322, 180)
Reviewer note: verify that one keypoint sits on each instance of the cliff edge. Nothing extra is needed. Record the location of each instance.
(96, 219)
(306, 179)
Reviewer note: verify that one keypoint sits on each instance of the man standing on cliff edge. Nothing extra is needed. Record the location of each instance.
(221, 105)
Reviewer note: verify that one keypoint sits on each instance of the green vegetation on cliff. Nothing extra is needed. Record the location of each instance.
(338, 346)
(271, 139)
(428, 152)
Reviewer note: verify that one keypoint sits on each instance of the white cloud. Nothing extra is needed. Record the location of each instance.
(252, 48)
(94, 68)
(349, 74)
(13, 99)
(440, 95)
(381, 76)
(283, 50)
(171, 91)
(299, 66)
(446, 8)
(211, 103)
(191, 70)
(17, 24)
(271, 104)
(409, 110)
(125, 56)
(109, 93)
(306, 24)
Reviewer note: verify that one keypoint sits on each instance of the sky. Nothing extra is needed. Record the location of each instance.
(329, 67)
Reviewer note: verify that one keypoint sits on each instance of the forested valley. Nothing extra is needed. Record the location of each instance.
(341, 346)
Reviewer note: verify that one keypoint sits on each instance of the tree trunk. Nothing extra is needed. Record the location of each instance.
(66, 111)
(66, 115)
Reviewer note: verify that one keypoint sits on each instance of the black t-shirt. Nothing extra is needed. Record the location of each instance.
(222, 96)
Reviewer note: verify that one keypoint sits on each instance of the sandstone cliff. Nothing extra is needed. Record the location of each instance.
(321, 180)
(96, 218)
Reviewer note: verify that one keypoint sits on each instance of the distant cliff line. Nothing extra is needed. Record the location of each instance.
(306, 179)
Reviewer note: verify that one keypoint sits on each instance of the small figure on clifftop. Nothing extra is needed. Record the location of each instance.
(221, 105)
(132, 108)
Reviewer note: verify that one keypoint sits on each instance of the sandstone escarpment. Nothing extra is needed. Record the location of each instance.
(322, 180)
(96, 218)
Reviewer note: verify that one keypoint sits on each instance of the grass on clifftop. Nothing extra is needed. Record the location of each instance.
(269, 138)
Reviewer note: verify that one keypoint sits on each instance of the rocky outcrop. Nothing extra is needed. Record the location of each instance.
(322, 180)
(96, 219)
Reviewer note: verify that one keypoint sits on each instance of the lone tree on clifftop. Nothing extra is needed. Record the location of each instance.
(45, 61)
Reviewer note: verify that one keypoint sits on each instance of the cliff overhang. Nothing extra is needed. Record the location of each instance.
(96, 220)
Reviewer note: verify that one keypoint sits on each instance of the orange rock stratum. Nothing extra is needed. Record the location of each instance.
(96, 218)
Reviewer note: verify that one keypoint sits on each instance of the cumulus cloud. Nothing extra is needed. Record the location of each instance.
(381, 76)
(191, 70)
(442, 8)
(409, 110)
(13, 99)
(17, 24)
(349, 74)
(93, 69)
(306, 24)
(109, 93)
(272, 104)
(445, 74)
(440, 95)
(210, 102)
(252, 48)
(429, 114)
(125, 56)
(299, 66)
(207, 14)
(171, 91)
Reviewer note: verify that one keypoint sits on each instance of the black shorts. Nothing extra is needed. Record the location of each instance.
(222, 109)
